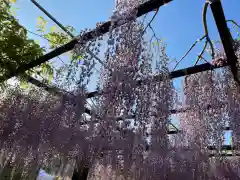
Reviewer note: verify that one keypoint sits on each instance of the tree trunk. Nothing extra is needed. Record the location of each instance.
(80, 174)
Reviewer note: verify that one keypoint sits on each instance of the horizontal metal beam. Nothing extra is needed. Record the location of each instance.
(51, 89)
(210, 155)
(99, 31)
(224, 155)
(224, 147)
(212, 149)
(172, 75)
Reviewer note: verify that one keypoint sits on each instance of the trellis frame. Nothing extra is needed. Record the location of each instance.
(151, 5)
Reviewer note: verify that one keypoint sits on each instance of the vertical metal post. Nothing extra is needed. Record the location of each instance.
(225, 36)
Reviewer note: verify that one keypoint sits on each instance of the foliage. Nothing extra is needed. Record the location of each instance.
(15, 47)
(57, 37)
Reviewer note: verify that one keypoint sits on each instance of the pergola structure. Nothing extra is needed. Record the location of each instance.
(142, 9)
(148, 6)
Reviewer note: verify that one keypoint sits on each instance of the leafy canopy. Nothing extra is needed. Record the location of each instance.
(15, 46)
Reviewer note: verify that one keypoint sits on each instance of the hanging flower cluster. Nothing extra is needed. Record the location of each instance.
(37, 128)
(129, 87)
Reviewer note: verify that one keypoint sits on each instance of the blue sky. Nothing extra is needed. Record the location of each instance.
(179, 23)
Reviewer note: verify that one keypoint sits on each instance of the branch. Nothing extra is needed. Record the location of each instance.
(234, 22)
(154, 34)
(206, 35)
(144, 18)
(204, 15)
(194, 44)
(205, 59)
(200, 55)
(149, 23)
(208, 40)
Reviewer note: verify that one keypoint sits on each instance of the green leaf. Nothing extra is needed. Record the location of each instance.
(50, 78)
(3, 86)
(41, 20)
(45, 68)
(79, 57)
(13, 10)
(71, 29)
(74, 58)
(238, 38)
(47, 72)
(24, 84)
(41, 24)
(13, 1)
(53, 29)
(37, 41)
(16, 48)
(157, 42)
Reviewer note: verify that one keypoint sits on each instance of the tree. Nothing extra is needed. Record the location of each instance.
(15, 46)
